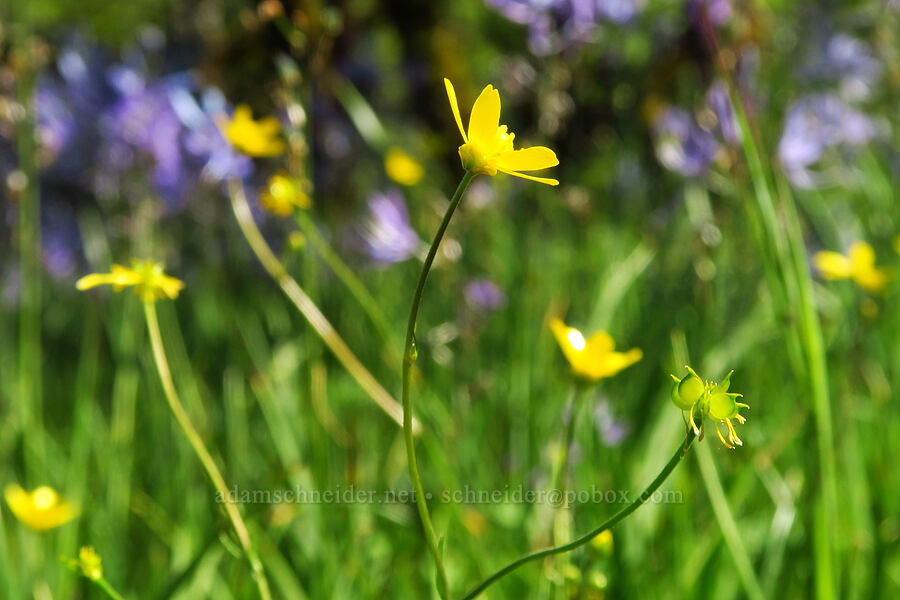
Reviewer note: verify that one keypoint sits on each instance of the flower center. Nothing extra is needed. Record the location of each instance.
(43, 498)
(478, 155)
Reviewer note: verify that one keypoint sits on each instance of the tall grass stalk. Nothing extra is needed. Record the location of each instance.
(790, 251)
(209, 465)
(309, 309)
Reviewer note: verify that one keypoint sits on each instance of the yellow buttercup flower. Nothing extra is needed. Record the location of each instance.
(593, 358)
(403, 168)
(283, 194)
(858, 264)
(253, 138)
(709, 400)
(488, 146)
(148, 278)
(41, 509)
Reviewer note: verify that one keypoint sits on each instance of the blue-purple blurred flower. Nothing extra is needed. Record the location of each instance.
(483, 296)
(142, 118)
(814, 124)
(611, 429)
(726, 123)
(554, 25)
(719, 12)
(681, 144)
(848, 62)
(386, 235)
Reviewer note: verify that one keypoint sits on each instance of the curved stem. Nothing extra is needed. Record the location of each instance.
(356, 287)
(581, 541)
(409, 356)
(108, 589)
(309, 309)
(165, 377)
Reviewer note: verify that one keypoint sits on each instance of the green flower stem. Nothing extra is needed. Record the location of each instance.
(165, 376)
(309, 309)
(608, 524)
(108, 589)
(356, 287)
(409, 357)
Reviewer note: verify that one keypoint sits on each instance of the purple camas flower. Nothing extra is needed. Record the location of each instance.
(815, 124)
(483, 295)
(611, 429)
(850, 63)
(554, 25)
(386, 235)
(143, 118)
(726, 123)
(681, 144)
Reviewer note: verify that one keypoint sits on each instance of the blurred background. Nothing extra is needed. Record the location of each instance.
(111, 147)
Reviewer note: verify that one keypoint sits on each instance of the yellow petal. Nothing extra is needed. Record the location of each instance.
(527, 159)
(485, 117)
(600, 342)
(832, 265)
(861, 255)
(613, 362)
(93, 280)
(546, 180)
(242, 113)
(454, 106)
(170, 286)
(570, 340)
(871, 279)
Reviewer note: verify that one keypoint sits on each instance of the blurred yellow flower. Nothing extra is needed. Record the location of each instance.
(41, 509)
(603, 541)
(710, 400)
(283, 194)
(148, 278)
(253, 138)
(593, 358)
(858, 264)
(403, 168)
(89, 563)
(488, 147)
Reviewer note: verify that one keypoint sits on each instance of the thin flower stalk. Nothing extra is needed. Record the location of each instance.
(309, 310)
(584, 539)
(409, 357)
(356, 287)
(209, 465)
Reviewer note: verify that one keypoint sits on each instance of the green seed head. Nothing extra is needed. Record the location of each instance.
(688, 391)
(722, 406)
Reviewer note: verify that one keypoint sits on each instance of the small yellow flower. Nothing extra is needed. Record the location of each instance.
(148, 278)
(253, 138)
(403, 168)
(283, 194)
(858, 264)
(89, 563)
(41, 509)
(488, 147)
(709, 400)
(603, 542)
(593, 358)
